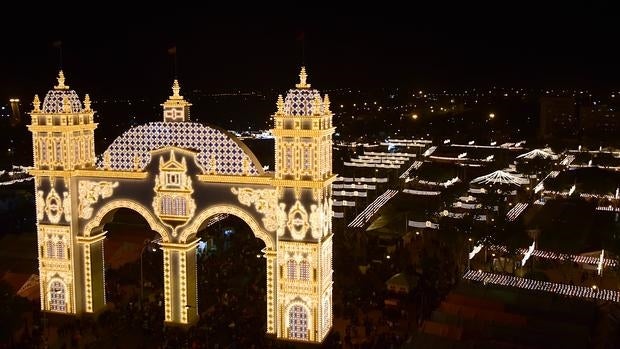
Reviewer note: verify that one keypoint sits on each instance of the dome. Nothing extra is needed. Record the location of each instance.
(299, 102)
(210, 143)
(53, 102)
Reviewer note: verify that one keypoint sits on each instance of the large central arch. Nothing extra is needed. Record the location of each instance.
(176, 174)
(192, 229)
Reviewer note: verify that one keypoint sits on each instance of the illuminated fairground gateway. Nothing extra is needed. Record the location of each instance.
(177, 174)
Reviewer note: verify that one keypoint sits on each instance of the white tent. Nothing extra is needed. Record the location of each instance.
(545, 153)
(501, 177)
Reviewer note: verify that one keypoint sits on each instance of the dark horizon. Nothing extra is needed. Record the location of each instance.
(126, 55)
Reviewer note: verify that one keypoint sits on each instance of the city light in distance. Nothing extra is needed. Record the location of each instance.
(491, 115)
(14, 100)
(414, 116)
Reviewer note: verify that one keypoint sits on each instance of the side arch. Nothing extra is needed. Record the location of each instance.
(199, 219)
(150, 218)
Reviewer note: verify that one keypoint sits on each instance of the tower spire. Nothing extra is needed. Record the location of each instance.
(302, 79)
(176, 108)
(176, 89)
(61, 82)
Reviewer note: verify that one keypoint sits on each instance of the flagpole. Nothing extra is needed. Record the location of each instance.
(176, 65)
(303, 50)
(175, 71)
(58, 44)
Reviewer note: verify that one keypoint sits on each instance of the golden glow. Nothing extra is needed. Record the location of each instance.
(55, 268)
(53, 207)
(89, 193)
(89, 173)
(289, 210)
(61, 82)
(264, 201)
(167, 282)
(303, 133)
(119, 203)
(266, 180)
(36, 103)
(191, 229)
(302, 79)
(173, 203)
(176, 109)
(297, 222)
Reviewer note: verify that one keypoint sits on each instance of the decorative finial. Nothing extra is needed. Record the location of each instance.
(61, 82)
(326, 103)
(302, 79)
(107, 160)
(316, 105)
(280, 105)
(87, 102)
(66, 105)
(137, 162)
(176, 108)
(175, 89)
(36, 104)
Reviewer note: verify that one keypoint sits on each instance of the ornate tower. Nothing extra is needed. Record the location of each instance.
(63, 141)
(303, 177)
(176, 108)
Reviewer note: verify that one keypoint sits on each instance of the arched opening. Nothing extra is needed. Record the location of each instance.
(133, 266)
(123, 273)
(231, 274)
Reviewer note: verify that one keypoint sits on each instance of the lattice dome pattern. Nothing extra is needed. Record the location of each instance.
(299, 102)
(53, 102)
(214, 146)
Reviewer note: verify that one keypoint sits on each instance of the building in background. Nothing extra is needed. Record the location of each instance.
(558, 118)
(600, 122)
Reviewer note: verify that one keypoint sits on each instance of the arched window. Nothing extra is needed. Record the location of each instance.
(60, 249)
(307, 165)
(57, 297)
(304, 270)
(291, 269)
(58, 144)
(51, 252)
(43, 144)
(180, 206)
(298, 323)
(174, 206)
(288, 157)
(166, 205)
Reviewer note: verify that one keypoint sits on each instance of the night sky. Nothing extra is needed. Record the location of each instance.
(118, 53)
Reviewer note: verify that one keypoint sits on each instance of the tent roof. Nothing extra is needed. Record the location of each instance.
(545, 153)
(501, 177)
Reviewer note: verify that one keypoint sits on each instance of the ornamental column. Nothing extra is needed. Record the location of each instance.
(180, 287)
(62, 140)
(303, 178)
(91, 253)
